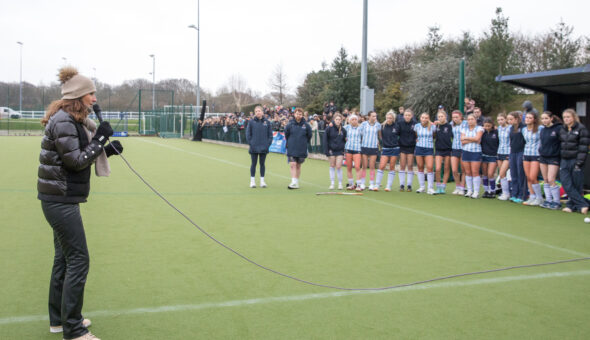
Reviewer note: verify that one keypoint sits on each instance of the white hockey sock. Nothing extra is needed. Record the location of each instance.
(469, 183)
(430, 177)
(421, 179)
(402, 178)
(476, 183)
(390, 178)
(379, 177)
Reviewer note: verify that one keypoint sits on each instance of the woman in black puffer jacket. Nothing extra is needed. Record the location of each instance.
(574, 139)
(67, 153)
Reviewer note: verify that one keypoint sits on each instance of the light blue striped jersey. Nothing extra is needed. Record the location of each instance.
(425, 135)
(353, 138)
(370, 134)
(504, 138)
(457, 134)
(472, 147)
(532, 141)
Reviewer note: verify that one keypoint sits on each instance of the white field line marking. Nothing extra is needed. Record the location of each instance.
(297, 298)
(447, 219)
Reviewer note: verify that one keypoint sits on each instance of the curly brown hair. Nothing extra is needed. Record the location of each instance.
(75, 107)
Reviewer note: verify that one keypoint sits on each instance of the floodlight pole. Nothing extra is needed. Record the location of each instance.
(198, 29)
(20, 96)
(364, 60)
(153, 82)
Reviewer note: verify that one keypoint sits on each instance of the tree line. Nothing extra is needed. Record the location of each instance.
(423, 76)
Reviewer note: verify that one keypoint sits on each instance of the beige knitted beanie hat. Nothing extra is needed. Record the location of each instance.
(74, 85)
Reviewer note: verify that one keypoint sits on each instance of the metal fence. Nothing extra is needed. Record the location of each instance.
(233, 134)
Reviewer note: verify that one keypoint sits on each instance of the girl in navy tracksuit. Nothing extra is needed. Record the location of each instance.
(489, 148)
(390, 149)
(549, 151)
(519, 184)
(259, 136)
(334, 142)
(407, 144)
(443, 147)
(297, 136)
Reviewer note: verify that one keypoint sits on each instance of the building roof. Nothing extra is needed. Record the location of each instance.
(569, 81)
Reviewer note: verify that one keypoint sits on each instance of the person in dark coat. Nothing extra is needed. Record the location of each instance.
(298, 136)
(68, 150)
(549, 151)
(334, 142)
(259, 137)
(407, 142)
(574, 139)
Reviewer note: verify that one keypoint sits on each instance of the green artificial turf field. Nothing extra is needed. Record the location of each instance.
(155, 276)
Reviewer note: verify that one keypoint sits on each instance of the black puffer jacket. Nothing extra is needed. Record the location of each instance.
(574, 143)
(65, 160)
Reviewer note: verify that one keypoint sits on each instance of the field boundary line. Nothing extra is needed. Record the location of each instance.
(447, 219)
(298, 298)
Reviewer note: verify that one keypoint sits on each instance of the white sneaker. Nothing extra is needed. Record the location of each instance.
(475, 194)
(340, 186)
(456, 192)
(530, 201)
(58, 329)
(293, 185)
(503, 197)
(469, 193)
(363, 187)
(387, 189)
(420, 190)
(331, 187)
(461, 192)
(252, 184)
(537, 201)
(262, 183)
(431, 192)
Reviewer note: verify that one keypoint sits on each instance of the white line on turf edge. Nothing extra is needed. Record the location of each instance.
(447, 219)
(297, 298)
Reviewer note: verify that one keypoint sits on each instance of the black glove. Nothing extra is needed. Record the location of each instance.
(114, 148)
(103, 132)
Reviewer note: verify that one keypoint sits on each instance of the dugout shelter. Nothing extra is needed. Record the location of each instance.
(562, 89)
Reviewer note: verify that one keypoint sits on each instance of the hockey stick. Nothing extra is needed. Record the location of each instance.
(339, 193)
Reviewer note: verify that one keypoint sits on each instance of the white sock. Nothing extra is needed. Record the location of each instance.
(421, 179)
(379, 177)
(556, 194)
(252, 179)
(537, 190)
(430, 177)
(350, 181)
(332, 174)
(409, 178)
(359, 182)
(476, 183)
(339, 172)
(390, 178)
(293, 180)
(505, 186)
(402, 178)
(548, 194)
(469, 183)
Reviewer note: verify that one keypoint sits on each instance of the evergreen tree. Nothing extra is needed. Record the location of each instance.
(564, 50)
(493, 58)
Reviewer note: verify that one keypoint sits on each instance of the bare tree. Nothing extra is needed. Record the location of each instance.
(239, 90)
(278, 84)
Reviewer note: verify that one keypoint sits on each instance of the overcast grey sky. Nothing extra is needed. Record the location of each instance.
(246, 37)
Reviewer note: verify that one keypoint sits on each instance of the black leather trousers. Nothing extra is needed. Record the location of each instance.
(70, 267)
